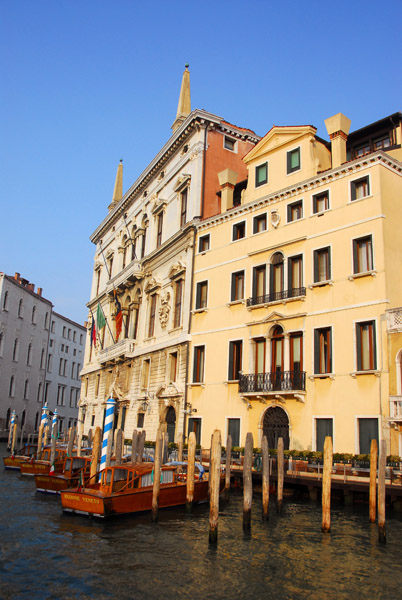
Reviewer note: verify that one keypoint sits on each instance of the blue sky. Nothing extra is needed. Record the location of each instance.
(87, 82)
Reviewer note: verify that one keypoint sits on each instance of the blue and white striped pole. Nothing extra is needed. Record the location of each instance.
(107, 430)
(44, 422)
(10, 435)
(54, 424)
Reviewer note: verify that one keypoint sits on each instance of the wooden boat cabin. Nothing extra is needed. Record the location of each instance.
(75, 470)
(24, 454)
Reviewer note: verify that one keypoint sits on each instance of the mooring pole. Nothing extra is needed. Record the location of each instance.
(326, 485)
(107, 434)
(190, 470)
(381, 491)
(71, 439)
(134, 446)
(14, 440)
(228, 464)
(265, 478)
(247, 481)
(280, 463)
(373, 481)
(95, 452)
(180, 449)
(10, 433)
(141, 444)
(214, 482)
(119, 446)
(157, 475)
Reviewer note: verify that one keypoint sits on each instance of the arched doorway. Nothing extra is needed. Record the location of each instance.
(171, 423)
(276, 425)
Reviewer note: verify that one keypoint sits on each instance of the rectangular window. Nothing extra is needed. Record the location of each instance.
(235, 359)
(359, 188)
(362, 254)
(366, 346)
(140, 420)
(145, 374)
(198, 367)
(293, 160)
(194, 424)
(295, 275)
(234, 431)
(229, 143)
(259, 284)
(204, 243)
(322, 265)
(177, 303)
(260, 223)
(295, 211)
(183, 207)
(320, 202)
(173, 366)
(239, 231)
(368, 430)
(237, 288)
(152, 311)
(322, 351)
(202, 294)
(324, 428)
(261, 174)
(159, 230)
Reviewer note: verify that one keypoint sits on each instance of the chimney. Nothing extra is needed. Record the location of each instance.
(338, 128)
(31, 287)
(39, 291)
(227, 181)
(17, 277)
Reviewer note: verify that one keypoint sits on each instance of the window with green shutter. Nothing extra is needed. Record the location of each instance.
(261, 174)
(293, 160)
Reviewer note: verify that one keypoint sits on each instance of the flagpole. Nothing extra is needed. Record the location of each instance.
(115, 294)
(128, 231)
(96, 329)
(108, 326)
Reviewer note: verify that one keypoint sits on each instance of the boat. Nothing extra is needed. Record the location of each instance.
(75, 471)
(42, 464)
(125, 489)
(14, 461)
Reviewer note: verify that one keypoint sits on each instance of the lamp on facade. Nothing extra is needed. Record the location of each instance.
(144, 405)
(188, 409)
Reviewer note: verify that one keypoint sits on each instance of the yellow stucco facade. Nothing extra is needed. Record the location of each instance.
(291, 286)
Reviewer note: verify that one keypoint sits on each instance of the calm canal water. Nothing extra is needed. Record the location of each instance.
(47, 555)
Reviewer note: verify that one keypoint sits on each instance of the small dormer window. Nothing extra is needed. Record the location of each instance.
(293, 160)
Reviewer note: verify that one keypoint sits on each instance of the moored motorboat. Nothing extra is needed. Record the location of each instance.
(42, 464)
(75, 471)
(128, 489)
(14, 461)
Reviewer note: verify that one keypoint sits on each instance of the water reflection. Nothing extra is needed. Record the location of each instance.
(45, 554)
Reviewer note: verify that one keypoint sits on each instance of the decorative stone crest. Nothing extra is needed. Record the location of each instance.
(164, 309)
(275, 218)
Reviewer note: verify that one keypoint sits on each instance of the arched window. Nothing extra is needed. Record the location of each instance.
(26, 389)
(33, 320)
(20, 309)
(29, 354)
(42, 359)
(8, 416)
(1, 343)
(124, 252)
(39, 396)
(171, 423)
(12, 387)
(23, 417)
(46, 320)
(15, 349)
(133, 242)
(36, 421)
(276, 277)
(5, 301)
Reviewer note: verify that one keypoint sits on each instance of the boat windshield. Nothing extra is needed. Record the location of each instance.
(67, 466)
(78, 463)
(120, 474)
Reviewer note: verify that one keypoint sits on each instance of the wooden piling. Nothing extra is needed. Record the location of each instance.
(134, 446)
(14, 439)
(53, 440)
(190, 471)
(247, 481)
(157, 474)
(109, 448)
(228, 463)
(180, 449)
(141, 444)
(373, 481)
(280, 463)
(165, 453)
(71, 439)
(46, 436)
(89, 438)
(40, 436)
(119, 446)
(214, 475)
(265, 478)
(381, 491)
(326, 485)
(96, 447)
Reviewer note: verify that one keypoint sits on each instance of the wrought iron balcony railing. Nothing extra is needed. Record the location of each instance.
(276, 296)
(279, 381)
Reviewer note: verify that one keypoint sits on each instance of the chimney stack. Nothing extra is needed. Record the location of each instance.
(338, 128)
(227, 181)
(39, 291)
(17, 277)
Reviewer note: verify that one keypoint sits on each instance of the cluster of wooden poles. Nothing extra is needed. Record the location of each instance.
(215, 469)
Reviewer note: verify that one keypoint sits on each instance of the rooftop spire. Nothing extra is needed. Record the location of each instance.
(118, 186)
(184, 106)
